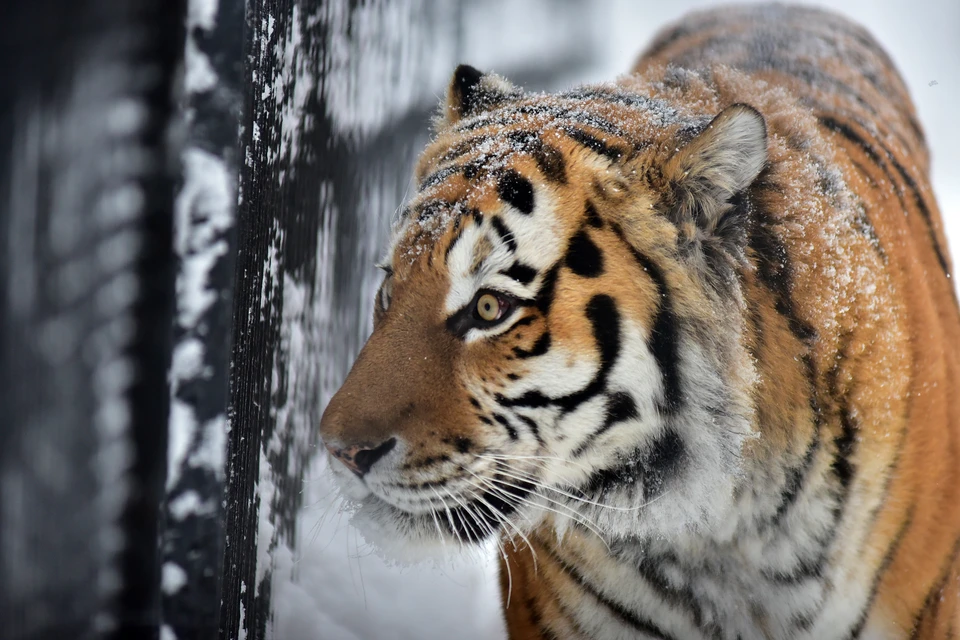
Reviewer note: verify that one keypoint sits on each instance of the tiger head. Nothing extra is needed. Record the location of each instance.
(559, 331)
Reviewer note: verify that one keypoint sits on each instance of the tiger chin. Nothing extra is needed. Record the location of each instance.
(686, 346)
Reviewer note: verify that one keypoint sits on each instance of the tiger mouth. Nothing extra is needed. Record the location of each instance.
(469, 515)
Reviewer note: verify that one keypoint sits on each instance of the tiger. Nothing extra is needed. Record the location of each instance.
(684, 347)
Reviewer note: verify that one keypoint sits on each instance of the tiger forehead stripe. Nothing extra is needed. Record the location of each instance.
(516, 190)
(549, 159)
(547, 112)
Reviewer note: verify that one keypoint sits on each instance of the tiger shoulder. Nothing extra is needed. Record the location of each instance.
(685, 347)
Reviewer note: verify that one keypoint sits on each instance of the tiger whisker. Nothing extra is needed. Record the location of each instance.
(453, 528)
(503, 456)
(573, 514)
(480, 526)
(498, 542)
(504, 519)
(524, 477)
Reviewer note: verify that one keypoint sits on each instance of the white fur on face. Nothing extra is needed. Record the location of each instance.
(538, 245)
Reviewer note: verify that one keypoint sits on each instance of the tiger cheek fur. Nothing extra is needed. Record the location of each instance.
(685, 346)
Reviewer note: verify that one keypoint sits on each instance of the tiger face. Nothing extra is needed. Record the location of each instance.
(563, 278)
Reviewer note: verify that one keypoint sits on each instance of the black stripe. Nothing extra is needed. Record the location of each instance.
(664, 112)
(540, 347)
(932, 601)
(789, 497)
(483, 517)
(439, 176)
(664, 336)
(847, 132)
(511, 430)
(888, 557)
(504, 233)
(549, 159)
(805, 569)
(532, 425)
(522, 322)
(679, 597)
(522, 273)
(465, 146)
(583, 257)
(592, 217)
(775, 271)
(845, 442)
(605, 321)
(566, 620)
(550, 162)
(612, 152)
(863, 172)
(620, 408)
(547, 290)
(650, 467)
(431, 208)
(623, 614)
(516, 190)
(554, 112)
(796, 480)
(457, 231)
(426, 462)
(922, 205)
(863, 224)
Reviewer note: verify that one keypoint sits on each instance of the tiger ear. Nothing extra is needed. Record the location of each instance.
(471, 92)
(713, 168)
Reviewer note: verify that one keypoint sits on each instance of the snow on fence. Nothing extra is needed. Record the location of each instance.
(192, 196)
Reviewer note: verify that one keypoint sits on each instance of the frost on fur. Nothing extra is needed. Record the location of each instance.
(709, 172)
(471, 92)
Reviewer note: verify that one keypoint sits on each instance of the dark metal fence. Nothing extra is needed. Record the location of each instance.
(149, 474)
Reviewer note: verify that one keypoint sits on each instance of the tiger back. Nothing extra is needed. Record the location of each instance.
(685, 347)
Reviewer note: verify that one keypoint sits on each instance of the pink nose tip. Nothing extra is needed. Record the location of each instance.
(360, 459)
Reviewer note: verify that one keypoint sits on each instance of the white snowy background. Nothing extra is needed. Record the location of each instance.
(332, 586)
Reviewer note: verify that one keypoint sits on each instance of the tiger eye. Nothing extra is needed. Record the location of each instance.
(488, 307)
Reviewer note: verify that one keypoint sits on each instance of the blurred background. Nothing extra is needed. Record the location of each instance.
(192, 197)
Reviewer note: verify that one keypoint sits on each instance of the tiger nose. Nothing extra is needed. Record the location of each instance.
(360, 459)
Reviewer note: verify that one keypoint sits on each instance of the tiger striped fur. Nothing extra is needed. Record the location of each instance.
(686, 346)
